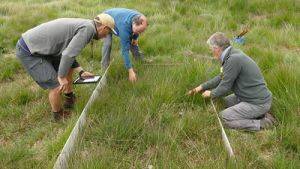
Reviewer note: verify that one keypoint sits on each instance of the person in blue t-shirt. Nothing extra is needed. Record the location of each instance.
(129, 24)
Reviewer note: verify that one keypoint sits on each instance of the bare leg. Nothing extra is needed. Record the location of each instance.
(69, 88)
(55, 99)
(69, 97)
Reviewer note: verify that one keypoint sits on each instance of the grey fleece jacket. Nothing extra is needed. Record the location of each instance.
(64, 38)
(240, 74)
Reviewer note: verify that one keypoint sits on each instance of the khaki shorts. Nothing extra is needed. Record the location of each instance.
(42, 69)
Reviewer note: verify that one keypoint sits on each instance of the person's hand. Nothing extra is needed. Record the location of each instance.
(86, 74)
(192, 92)
(132, 75)
(195, 91)
(206, 93)
(63, 82)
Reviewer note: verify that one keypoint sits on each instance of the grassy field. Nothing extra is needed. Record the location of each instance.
(137, 125)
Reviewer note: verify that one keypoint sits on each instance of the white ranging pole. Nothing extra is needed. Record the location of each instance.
(224, 136)
(66, 152)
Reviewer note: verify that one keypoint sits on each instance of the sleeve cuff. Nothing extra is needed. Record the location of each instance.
(204, 86)
(213, 94)
(128, 66)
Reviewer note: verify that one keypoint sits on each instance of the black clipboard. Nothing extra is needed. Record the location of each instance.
(86, 80)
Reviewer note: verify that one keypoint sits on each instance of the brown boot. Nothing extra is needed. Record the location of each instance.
(70, 100)
(270, 116)
(268, 121)
(61, 114)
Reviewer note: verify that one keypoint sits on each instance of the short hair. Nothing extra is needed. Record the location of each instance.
(97, 21)
(137, 20)
(218, 39)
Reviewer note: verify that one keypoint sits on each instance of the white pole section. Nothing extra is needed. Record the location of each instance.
(224, 136)
(66, 152)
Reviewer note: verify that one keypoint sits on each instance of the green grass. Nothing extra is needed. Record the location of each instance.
(136, 125)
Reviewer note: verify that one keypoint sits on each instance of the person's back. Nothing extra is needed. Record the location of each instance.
(129, 24)
(250, 85)
(123, 18)
(53, 37)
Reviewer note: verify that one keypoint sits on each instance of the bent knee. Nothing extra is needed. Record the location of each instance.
(226, 115)
(55, 90)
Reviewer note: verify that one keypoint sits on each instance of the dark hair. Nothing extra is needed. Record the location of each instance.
(137, 20)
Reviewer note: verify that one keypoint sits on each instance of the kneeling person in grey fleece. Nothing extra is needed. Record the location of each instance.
(48, 53)
(248, 106)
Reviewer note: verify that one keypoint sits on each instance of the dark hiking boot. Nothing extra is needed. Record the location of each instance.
(69, 101)
(61, 114)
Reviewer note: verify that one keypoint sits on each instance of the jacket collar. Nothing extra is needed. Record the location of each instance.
(227, 55)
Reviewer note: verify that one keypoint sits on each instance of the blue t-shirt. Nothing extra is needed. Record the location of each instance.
(123, 26)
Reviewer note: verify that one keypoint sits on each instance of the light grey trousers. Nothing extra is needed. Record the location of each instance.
(243, 115)
(106, 50)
